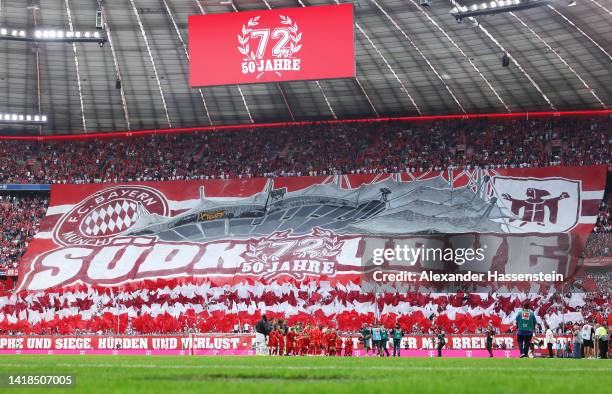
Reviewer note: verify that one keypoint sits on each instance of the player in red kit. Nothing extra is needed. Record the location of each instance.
(291, 342)
(315, 341)
(273, 342)
(348, 347)
(339, 344)
(304, 341)
(281, 340)
(330, 342)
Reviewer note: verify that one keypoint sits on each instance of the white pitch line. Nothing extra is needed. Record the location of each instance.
(510, 368)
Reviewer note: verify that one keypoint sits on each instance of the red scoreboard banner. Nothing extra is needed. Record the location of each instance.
(285, 44)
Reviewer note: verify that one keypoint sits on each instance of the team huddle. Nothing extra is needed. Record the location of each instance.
(276, 338)
(306, 340)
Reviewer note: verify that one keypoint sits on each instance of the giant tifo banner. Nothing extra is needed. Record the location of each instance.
(333, 228)
(239, 344)
(285, 44)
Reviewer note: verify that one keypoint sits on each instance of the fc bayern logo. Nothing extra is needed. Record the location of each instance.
(107, 214)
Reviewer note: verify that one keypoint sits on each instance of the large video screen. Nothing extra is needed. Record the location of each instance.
(287, 44)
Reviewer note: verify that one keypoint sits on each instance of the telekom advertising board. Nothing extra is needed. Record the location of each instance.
(238, 344)
(285, 44)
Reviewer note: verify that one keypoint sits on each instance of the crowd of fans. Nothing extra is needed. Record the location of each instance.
(20, 215)
(305, 150)
(311, 150)
(188, 305)
(604, 222)
(600, 241)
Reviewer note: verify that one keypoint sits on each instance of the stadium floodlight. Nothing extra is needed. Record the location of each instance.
(52, 35)
(23, 119)
(495, 7)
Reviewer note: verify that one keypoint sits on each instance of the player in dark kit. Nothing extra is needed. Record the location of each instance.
(525, 322)
(490, 338)
(366, 338)
(441, 342)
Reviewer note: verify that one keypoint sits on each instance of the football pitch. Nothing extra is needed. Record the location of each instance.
(313, 375)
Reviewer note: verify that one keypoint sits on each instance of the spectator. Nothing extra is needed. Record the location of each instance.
(20, 216)
(397, 334)
(577, 341)
(376, 147)
(262, 330)
(549, 341)
(601, 334)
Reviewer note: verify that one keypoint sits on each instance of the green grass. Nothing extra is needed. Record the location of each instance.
(313, 375)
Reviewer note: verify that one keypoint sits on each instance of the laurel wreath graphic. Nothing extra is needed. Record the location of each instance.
(243, 39)
(331, 247)
(256, 252)
(295, 37)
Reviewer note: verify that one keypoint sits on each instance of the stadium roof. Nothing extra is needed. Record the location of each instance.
(410, 59)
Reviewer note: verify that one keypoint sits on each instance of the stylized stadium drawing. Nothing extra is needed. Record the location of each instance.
(385, 208)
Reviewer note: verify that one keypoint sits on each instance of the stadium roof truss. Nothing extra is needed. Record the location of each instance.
(411, 60)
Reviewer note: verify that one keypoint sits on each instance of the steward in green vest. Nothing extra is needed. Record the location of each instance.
(398, 334)
(384, 340)
(525, 322)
